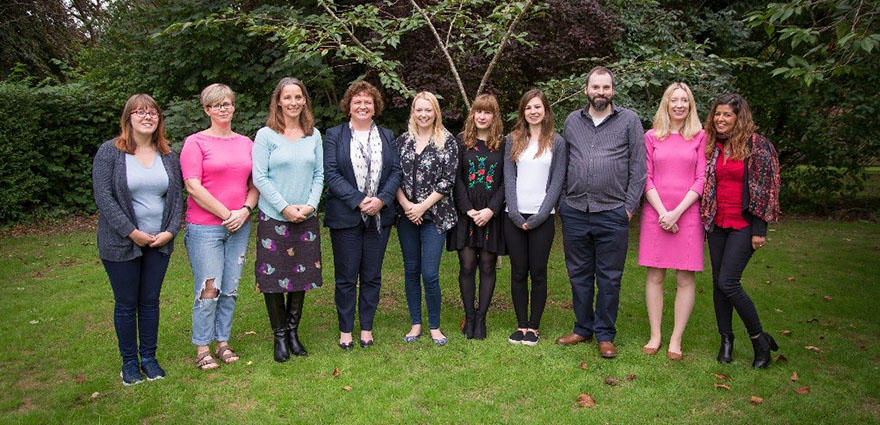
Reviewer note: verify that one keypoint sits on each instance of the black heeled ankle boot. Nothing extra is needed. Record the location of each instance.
(294, 314)
(469, 317)
(763, 345)
(278, 321)
(479, 326)
(725, 352)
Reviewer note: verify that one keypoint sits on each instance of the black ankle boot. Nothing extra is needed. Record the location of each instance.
(725, 352)
(294, 314)
(469, 316)
(278, 321)
(763, 345)
(479, 326)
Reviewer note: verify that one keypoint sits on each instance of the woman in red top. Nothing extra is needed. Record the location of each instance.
(740, 197)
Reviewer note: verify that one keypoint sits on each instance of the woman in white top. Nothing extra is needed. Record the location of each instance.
(534, 173)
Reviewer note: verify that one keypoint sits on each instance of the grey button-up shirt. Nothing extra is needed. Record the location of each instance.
(606, 163)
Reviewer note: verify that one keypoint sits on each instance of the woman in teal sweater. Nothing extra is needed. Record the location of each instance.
(288, 169)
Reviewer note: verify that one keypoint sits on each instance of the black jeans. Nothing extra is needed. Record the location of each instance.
(529, 252)
(136, 286)
(358, 253)
(730, 251)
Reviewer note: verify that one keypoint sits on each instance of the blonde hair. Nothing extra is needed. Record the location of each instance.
(663, 124)
(520, 134)
(215, 93)
(276, 118)
(125, 141)
(438, 132)
(486, 103)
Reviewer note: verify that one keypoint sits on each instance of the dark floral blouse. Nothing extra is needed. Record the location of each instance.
(432, 170)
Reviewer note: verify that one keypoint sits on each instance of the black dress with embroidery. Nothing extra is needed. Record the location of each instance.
(479, 184)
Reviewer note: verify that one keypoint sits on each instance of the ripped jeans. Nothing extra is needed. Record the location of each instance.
(217, 257)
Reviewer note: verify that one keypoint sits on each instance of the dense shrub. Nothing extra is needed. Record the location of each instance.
(48, 136)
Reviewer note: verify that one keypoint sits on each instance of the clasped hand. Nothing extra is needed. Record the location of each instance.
(236, 219)
(414, 212)
(297, 213)
(143, 239)
(481, 217)
(668, 221)
(371, 205)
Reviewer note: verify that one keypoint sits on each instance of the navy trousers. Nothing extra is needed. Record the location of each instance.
(358, 253)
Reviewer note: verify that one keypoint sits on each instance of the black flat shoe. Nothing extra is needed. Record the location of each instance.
(365, 344)
(346, 347)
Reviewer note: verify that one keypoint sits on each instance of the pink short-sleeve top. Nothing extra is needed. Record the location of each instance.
(223, 164)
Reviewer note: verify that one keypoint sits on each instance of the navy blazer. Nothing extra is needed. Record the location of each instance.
(343, 197)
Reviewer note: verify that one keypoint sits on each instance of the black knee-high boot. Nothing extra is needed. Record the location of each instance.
(278, 321)
(294, 314)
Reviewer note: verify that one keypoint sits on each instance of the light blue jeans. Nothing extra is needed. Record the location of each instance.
(215, 253)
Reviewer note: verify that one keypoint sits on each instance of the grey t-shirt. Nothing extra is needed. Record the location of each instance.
(148, 187)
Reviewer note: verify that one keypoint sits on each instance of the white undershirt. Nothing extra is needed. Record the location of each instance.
(531, 178)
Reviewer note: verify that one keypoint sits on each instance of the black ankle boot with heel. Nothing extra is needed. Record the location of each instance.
(763, 345)
(725, 352)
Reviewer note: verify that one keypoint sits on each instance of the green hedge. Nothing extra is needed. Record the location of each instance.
(48, 136)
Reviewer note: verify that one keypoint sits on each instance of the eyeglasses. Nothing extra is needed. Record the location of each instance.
(222, 107)
(143, 114)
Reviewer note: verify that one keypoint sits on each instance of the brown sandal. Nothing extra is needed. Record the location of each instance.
(226, 354)
(204, 361)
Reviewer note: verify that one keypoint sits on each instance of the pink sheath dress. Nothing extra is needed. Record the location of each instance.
(675, 166)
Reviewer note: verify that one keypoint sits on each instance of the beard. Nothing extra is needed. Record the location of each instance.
(599, 103)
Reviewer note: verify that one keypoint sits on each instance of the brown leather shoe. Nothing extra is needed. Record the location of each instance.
(673, 356)
(607, 349)
(572, 339)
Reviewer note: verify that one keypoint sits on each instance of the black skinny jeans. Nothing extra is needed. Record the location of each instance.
(730, 251)
(529, 252)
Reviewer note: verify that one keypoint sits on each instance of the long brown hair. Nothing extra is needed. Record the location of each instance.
(738, 139)
(125, 141)
(484, 103)
(276, 116)
(520, 134)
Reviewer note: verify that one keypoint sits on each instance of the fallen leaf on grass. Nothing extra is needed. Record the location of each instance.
(722, 385)
(827, 298)
(777, 310)
(80, 379)
(250, 333)
(794, 377)
(721, 376)
(785, 332)
(583, 365)
(791, 278)
(347, 388)
(780, 358)
(250, 362)
(612, 381)
(829, 324)
(335, 372)
(631, 377)
(756, 400)
(94, 395)
(802, 390)
(813, 320)
(813, 348)
(586, 400)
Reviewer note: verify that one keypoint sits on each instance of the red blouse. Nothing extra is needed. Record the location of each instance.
(729, 178)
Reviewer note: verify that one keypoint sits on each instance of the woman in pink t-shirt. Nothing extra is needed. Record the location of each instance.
(216, 166)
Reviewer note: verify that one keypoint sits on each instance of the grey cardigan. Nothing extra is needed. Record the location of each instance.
(116, 219)
(555, 183)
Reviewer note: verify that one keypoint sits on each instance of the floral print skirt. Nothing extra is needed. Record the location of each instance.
(288, 255)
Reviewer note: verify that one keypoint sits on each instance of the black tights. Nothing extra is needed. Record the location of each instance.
(467, 260)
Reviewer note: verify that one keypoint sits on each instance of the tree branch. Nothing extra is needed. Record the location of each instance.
(452, 68)
(501, 47)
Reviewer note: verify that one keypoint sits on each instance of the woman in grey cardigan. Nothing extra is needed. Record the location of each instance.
(534, 173)
(137, 186)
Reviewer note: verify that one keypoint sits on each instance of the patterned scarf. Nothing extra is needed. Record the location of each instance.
(367, 165)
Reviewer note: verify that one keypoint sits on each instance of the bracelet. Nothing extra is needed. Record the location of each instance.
(249, 208)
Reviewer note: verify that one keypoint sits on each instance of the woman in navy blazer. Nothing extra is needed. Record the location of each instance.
(362, 173)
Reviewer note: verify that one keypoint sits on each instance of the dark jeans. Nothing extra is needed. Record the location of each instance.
(136, 285)
(595, 252)
(422, 249)
(529, 251)
(468, 258)
(358, 252)
(730, 251)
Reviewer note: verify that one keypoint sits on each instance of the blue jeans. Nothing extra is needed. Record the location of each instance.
(595, 251)
(422, 249)
(136, 285)
(218, 254)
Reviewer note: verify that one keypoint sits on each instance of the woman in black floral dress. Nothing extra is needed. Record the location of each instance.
(479, 197)
(428, 159)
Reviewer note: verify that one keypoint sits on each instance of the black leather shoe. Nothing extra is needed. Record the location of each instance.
(479, 326)
(725, 352)
(365, 344)
(346, 346)
(763, 345)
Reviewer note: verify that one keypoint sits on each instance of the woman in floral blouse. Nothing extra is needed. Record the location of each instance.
(428, 159)
(479, 196)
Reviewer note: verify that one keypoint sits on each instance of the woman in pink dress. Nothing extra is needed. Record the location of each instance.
(671, 235)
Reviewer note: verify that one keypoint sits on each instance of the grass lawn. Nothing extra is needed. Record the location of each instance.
(817, 280)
